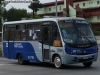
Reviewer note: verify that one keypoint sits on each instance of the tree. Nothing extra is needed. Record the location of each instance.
(14, 14)
(2, 9)
(2, 12)
(29, 15)
(35, 6)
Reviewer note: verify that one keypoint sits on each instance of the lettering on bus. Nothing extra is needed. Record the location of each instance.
(18, 45)
(30, 57)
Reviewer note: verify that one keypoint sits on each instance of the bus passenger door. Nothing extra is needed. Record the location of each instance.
(46, 41)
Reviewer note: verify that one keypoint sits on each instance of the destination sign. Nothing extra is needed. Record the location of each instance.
(82, 21)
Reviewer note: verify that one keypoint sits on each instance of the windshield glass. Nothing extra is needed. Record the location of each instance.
(76, 32)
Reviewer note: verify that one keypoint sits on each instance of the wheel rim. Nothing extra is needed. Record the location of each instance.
(57, 62)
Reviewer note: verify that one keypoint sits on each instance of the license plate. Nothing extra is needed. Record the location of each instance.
(85, 57)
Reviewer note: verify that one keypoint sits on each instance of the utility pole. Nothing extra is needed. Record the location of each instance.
(56, 8)
(33, 8)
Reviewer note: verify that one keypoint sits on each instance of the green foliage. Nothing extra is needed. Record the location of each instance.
(14, 14)
(2, 12)
(29, 15)
(35, 6)
(96, 32)
(98, 29)
(37, 17)
(2, 5)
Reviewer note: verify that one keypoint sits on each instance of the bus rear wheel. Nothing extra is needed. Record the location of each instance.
(21, 61)
(87, 64)
(57, 62)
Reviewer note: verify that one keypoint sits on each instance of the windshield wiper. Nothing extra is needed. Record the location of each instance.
(85, 36)
(82, 33)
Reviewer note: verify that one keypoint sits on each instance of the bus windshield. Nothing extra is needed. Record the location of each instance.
(76, 32)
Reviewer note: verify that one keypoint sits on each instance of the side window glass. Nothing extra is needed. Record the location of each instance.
(18, 35)
(11, 34)
(37, 31)
(46, 35)
(56, 39)
(30, 35)
(33, 31)
(5, 28)
(30, 26)
(5, 36)
(5, 33)
(24, 35)
(20, 27)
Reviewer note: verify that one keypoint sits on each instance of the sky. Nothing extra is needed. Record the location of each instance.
(24, 5)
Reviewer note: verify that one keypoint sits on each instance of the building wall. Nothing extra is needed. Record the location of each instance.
(72, 11)
(50, 9)
(88, 4)
(94, 18)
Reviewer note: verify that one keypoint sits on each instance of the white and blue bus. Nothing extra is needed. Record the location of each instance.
(60, 41)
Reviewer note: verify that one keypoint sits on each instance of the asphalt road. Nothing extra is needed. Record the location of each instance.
(11, 67)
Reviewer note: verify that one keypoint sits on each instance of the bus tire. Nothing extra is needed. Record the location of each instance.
(57, 62)
(87, 64)
(20, 59)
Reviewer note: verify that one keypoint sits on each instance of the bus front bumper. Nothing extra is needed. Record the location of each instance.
(71, 59)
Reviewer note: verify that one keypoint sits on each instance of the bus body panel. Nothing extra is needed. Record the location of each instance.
(28, 50)
(71, 59)
(57, 50)
(37, 49)
(80, 51)
(78, 57)
(8, 49)
(5, 50)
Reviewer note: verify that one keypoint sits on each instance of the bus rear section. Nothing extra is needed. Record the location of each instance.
(19, 43)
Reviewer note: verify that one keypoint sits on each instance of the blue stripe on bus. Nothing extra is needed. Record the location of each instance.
(25, 48)
(75, 51)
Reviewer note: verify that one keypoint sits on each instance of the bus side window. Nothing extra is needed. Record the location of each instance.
(24, 35)
(18, 36)
(11, 34)
(5, 37)
(30, 31)
(33, 31)
(56, 40)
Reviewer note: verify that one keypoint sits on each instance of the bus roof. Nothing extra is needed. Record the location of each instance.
(39, 20)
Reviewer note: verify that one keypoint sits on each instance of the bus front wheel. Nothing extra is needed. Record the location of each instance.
(87, 64)
(57, 62)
